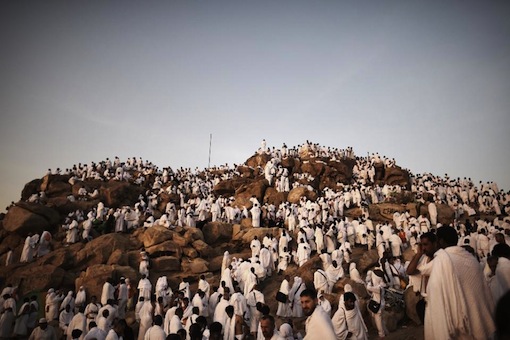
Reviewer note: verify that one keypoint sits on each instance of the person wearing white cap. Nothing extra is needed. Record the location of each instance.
(43, 331)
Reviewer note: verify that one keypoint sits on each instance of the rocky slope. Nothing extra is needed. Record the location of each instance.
(183, 251)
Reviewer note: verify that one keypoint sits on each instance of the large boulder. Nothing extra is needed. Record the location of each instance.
(217, 232)
(258, 160)
(118, 257)
(59, 189)
(195, 266)
(272, 196)
(154, 235)
(62, 257)
(313, 167)
(24, 218)
(34, 277)
(165, 248)
(384, 211)
(296, 194)
(293, 164)
(203, 249)
(243, 194)
(193, 234)
(95, 276)
(369, 259)
(166, 263)
(249, 234)
(99, 250)
(10, 241)
(228, 187)
(117, 193)
(32, 187)
(397, 176)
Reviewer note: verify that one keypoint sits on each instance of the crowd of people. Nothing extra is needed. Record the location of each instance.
(473, 255)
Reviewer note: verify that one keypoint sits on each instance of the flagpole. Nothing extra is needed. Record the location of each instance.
(210, 144)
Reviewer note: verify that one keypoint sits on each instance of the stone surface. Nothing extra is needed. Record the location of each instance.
(95, 276)
(99, 250)
(22, 220)
(243, 194)
(166, 263)
(195, 266)
(154, 235)
(217, 232)
(296, 194)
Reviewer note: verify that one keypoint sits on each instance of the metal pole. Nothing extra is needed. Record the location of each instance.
(210, 143)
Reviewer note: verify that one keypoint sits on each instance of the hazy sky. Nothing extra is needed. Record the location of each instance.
(427, 83)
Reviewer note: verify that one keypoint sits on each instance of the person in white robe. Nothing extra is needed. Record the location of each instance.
(354, 273)
(53, 300)
(255, 215)
(334, 273)
(204, 286)
(81, 297)
(376, 288)
(284, 259)
(146, 311)
(27, 252)
(108, 291)
(219, 312)
(123, 296)
(79, 321)
(284, 307)
(432, 208)
(43, 332)
(94, 332)
(255, 246)
(459, 303)
(144, 288)
(156, 332)
(72, 232)
(396, 245)
(348, 321)
(318, 325)
(68, 300)
(65, 318)
(21, 324)
(297, 287)
(320, 281)
(252, 299)
(286, 331)
(303, 252)
(324, 303)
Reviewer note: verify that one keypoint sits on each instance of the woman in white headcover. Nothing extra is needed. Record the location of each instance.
(286, 331)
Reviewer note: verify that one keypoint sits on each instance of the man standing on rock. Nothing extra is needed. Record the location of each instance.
(318, 324)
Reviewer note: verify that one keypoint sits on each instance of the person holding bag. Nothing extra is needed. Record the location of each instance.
(376, 303)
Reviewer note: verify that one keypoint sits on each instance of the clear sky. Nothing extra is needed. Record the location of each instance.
(424, 82)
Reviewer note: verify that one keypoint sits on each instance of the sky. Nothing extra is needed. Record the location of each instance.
(424, 82)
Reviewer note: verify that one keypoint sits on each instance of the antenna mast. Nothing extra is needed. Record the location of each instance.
(210, 144)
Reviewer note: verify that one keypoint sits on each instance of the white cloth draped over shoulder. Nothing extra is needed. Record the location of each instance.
(459, 302)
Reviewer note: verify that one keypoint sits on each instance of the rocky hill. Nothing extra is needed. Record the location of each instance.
(185, 251)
